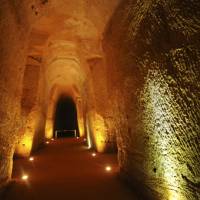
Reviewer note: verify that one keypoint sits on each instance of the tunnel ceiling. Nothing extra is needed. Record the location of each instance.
(65, 34)
(132, 69)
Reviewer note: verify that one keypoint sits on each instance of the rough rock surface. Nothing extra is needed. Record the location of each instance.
(132, 69)
(45, 51)
(152, 49)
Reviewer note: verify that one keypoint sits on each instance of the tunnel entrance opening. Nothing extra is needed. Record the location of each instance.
(65, 121)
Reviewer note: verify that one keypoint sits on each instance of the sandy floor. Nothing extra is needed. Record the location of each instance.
(66, 170)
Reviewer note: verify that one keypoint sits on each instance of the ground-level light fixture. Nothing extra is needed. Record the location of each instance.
(31, 159)
(52, 139)
(94, 154)
(47, 142)
(108, 168)
(24, 177)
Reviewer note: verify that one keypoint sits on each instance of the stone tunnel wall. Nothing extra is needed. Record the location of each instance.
(25, 27)
(104, 136)
(152, 50)
(12, 62)
(15, 25)
(153, 58)
(32, 110)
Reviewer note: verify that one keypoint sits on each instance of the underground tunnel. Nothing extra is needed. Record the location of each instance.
(131, 70)
(65, 122)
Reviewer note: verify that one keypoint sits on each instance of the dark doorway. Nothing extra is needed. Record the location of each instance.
(66, 124)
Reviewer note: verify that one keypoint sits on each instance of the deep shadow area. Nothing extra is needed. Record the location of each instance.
(65, 118)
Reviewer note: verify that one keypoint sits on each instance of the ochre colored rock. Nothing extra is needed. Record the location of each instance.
(132, 70)
(152, 50)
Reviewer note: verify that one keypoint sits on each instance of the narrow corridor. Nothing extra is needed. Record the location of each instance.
(66, 169)
(125, 74)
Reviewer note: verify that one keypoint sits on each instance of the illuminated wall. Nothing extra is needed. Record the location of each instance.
(79, 108)
(29, 31)
(32, 108)
(146, 96)
(104, 136)
(153, 53)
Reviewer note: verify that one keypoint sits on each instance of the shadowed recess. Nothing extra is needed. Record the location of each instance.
(65, 118)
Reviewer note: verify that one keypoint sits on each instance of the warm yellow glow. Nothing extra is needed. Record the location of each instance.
(47, 142)
(25, 177)
(173, 195)
(52, 139)
(159, 104)
(99, 133)
(88, 138)
(108, 168)
(89, 143)
(49, 129)
(94, 154)
(81, 132)
(100, 144)
(77, 137)
(81, 125)
(25, 145)
(31, 159)
(80, 117)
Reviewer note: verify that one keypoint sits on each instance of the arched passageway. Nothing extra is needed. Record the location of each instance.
(65, 122)
(132, 69)
(65, 169)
